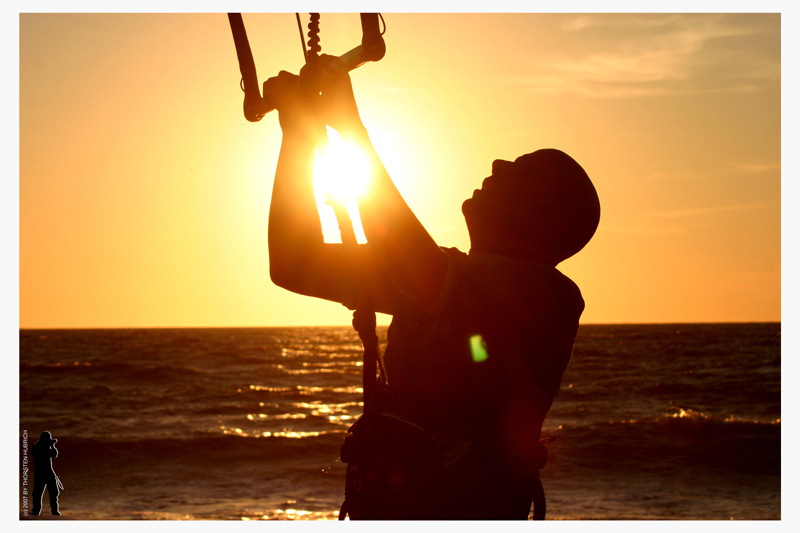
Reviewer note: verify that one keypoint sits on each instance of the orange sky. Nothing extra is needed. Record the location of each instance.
(144, 193)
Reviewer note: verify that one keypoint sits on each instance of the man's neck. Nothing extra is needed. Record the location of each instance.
(512, 253)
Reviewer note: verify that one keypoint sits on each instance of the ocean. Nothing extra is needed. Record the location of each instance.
(667, 421)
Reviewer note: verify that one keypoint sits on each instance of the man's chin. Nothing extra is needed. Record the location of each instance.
(468, 207)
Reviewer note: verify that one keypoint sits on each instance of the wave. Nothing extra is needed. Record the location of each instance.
(113, 371)
(684, 439)
(211, 448)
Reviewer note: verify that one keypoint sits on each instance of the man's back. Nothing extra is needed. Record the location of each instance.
(479, 373)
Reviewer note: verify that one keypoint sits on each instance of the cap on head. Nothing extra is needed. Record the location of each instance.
(563, 209)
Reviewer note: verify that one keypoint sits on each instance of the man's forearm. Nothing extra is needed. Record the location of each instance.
(294, 226)
(415, 263)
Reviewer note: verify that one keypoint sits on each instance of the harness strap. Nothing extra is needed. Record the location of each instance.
(364, 321)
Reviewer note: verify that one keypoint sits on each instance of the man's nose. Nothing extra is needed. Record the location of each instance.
(501, 167)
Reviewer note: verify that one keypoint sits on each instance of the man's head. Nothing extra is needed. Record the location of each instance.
(542, 206)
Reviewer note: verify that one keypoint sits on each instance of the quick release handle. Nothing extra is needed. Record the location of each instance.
(255, 107)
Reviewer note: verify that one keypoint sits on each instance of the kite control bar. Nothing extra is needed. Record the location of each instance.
(372, 48)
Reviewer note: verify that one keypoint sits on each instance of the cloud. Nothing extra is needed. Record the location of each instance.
(721, 170)
(651, 54)
(711, 210)
(756, 168)
(641, 229)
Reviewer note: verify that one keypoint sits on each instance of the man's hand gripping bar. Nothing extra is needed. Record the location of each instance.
(372, 48)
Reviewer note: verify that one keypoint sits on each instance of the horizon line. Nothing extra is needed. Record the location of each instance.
(386, 325)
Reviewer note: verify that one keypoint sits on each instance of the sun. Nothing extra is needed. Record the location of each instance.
(341, 171)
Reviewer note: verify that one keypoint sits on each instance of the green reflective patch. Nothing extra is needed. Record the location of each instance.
(478, 347)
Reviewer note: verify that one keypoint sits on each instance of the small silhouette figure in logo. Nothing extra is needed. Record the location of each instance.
(44, 451)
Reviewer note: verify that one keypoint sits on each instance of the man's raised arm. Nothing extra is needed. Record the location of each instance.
(412, 259)
(299, 259)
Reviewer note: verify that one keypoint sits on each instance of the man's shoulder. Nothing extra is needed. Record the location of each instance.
(517, 274)
(494, 285)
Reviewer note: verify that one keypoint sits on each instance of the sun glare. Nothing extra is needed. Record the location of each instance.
(340, 171)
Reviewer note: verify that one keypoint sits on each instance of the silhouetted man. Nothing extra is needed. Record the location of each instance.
(478, 342)
(44, 451)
